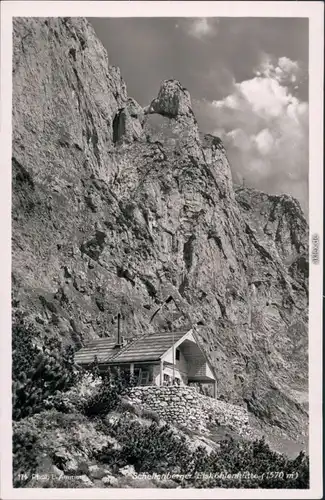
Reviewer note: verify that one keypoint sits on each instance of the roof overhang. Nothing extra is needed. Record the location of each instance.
(122, 363)
(176, 344)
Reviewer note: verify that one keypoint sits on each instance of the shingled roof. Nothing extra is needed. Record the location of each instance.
(103, 349)
(149, 347)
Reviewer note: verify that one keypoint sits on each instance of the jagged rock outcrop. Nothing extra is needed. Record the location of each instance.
(116, 208)
(173, 101)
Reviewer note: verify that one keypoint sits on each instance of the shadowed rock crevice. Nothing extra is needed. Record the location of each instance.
(21, 174)
(116, 127)
(188, 251)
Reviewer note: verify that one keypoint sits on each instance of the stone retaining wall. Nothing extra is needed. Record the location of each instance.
(185, 406)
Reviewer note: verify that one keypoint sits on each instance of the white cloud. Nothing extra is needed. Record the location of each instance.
(202, 27)
(265, 129)
(283, 71)
(264, 95)
(264, 141)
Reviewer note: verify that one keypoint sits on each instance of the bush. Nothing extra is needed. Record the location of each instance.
(75, 398)
(108, 395)
(38, 372)
(158, 449)
(149, 449)
(24, 455)
(150, 415)
(62, 437)
(153, 449)
(267, 469)
(126, 406)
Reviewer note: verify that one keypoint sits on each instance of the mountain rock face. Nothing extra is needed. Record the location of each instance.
(118, 208)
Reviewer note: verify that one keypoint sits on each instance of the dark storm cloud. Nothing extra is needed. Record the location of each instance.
(217, 60)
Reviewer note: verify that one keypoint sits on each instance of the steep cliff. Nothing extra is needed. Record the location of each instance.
(116, 208)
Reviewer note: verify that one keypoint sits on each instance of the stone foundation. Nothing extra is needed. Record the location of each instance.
(185, 406)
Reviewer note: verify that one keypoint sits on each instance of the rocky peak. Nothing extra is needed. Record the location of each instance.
(169, 119)
(173, 100)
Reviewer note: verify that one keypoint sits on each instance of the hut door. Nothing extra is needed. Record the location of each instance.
(142, 375)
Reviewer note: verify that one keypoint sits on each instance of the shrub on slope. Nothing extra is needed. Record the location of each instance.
(37, 372)
(158, 449)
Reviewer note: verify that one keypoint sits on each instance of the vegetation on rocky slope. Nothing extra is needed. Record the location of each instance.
(85, 432)
(38, 372)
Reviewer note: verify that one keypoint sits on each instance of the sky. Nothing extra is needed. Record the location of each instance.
(248, 80)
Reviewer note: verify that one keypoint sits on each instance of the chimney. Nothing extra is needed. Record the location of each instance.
(119, 339)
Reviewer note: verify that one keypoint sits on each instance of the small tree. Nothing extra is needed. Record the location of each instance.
(37, 372)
